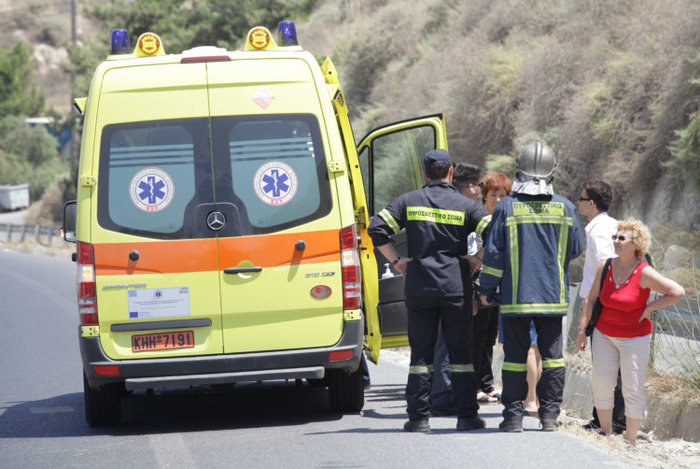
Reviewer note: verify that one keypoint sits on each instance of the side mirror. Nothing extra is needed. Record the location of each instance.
(68, 230)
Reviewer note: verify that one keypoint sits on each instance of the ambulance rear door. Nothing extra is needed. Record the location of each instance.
(155, 260)
(279, 247)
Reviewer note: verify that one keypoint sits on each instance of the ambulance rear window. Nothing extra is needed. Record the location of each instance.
(162, 179)
(150, 173)
(278, 169)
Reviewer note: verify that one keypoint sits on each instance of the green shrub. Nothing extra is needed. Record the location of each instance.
(28, 155)
(686, 151)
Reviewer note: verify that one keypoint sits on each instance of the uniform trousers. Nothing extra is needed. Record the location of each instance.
(516, 342)
(485, 333)
(440, 394)
(425, 315)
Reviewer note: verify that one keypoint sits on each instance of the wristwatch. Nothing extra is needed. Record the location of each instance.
(396, 260)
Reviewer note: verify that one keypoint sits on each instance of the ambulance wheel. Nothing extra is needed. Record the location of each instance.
(346, 392)
(102, 405)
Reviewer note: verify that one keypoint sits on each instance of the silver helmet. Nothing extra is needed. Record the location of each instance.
(536, 161)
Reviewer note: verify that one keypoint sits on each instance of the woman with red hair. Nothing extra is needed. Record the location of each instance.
(494, 188)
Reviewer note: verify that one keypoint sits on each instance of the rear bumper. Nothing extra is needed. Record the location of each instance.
(221, 369)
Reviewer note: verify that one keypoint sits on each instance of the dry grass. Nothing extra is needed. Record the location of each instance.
(673, 387)
(649, 452)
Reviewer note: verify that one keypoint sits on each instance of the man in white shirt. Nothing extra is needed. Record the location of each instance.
(593, 203)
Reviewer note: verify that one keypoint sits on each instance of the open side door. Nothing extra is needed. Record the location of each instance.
(387, 163)
(391, 163)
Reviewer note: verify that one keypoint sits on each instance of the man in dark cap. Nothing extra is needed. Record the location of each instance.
(438, 221)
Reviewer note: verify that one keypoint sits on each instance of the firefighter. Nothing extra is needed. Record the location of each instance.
(438, 221)
(533, 235)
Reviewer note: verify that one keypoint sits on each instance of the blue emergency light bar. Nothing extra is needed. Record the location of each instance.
(120, 42)
(287, 34)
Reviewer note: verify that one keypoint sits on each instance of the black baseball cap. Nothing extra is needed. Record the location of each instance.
(440, 157)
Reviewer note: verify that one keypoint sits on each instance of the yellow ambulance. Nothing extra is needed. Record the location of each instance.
(221, 218)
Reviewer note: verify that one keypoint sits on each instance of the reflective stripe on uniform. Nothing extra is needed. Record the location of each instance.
(535, 308)
(485, 269)
(510, 221)
(435, 215)
(510, 366)
(561, 255)
(554, 363)
(420, 369)
(466, 368)
(538, 209)
(386, 216)
(483, 223)
(514, 260)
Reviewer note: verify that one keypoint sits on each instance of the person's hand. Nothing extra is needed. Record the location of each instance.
(581, 340)
(645, 315)
(484, 300)
(402, 265)
(475, 307)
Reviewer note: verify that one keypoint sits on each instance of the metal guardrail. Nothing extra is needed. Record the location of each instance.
(678, 323)
(40, 234)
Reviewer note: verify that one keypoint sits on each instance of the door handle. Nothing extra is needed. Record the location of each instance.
(242, 270)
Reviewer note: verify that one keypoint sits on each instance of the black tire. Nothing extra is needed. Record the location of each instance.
(102, 405)
(346, 391)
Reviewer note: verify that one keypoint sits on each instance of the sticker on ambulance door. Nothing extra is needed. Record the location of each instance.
(152, 303)
(263, 97)
(151, 189)
(275, 183)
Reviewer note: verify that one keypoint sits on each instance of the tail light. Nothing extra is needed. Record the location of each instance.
(350, 265)
(87, 297)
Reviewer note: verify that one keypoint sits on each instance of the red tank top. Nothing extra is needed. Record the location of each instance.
(623, 306)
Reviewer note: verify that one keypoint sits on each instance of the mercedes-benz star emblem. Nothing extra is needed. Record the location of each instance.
(216, 220)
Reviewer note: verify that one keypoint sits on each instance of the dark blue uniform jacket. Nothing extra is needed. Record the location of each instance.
(437, 220)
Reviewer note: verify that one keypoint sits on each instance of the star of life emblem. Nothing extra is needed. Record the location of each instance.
(275, 183)
(151, 190)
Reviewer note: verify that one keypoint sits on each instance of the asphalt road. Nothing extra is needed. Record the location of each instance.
(278, 424)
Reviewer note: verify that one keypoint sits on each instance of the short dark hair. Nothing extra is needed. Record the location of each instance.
(465, 174)
(438, 170)
(600, 193)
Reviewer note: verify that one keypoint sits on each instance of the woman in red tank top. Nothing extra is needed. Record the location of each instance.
(623, 331)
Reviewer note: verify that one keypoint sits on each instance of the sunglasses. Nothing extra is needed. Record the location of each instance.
(620, 238)
(584, 198)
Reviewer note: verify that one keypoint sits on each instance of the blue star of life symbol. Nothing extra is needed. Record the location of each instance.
(151, 190)
(275, 182)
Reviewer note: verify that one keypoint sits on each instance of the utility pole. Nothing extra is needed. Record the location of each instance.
(73, 11)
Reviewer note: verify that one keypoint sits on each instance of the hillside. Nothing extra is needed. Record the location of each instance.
(45, 25)
(606, 83)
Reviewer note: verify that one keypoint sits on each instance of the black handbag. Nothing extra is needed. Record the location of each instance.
(597, 306)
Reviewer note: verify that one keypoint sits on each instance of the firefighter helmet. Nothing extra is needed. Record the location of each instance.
(536, 161)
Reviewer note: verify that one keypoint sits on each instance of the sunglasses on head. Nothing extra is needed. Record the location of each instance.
(620, 237)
